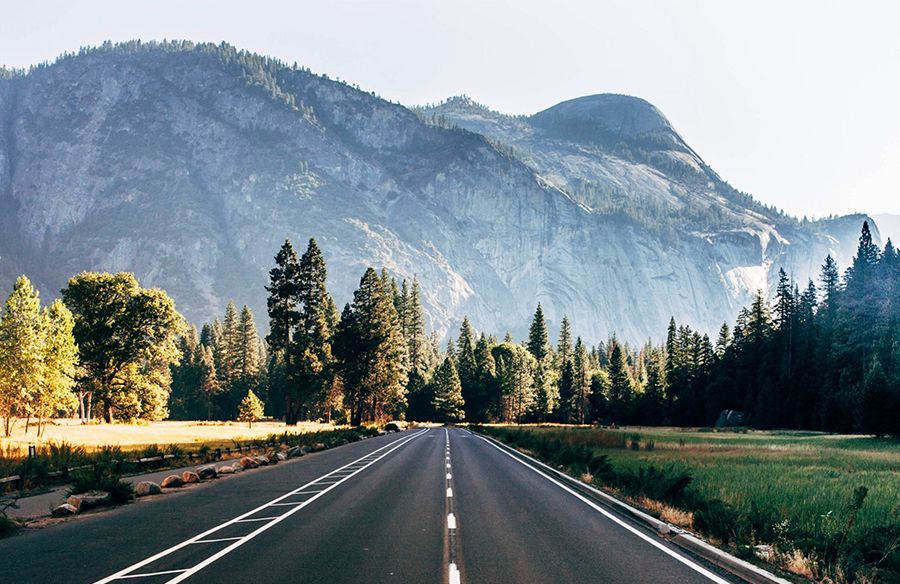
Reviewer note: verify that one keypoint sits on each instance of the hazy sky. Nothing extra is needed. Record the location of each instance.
(797, 103)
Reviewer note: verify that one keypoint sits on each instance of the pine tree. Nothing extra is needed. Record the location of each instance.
(487, 399)
(418, 346)
(250, 409)
(581, 382)
(208, 386)
(599, 393)
(723, 340)
(229, 348)
(312, 342)
(878, 405)
(371, 352)
(284, 315)
(538, 338)
(620, 385)
(448, 399)
(514, 367)
(564, 345)
(567, 394)
(465, 362)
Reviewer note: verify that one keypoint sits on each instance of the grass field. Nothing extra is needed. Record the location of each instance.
(136, 436)
(803, 476)
(795, 489)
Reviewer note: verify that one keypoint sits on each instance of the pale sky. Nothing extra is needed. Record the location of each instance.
(796, 103)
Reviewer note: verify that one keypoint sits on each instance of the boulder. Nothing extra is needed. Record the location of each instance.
(226, 470)
(237, 467)
(280, 456)
(319, 446)
(305, 450)
(172, 482)
(83, 501)
(294, 451)
(248, 462)
(144, 488)
(64, 510)
(207, 472)
(262, 460)
(190, 477)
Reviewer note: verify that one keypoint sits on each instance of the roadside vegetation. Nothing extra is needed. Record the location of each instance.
(821, 506)
(92, 468)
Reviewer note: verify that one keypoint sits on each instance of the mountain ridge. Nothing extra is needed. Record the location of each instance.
(242, 151)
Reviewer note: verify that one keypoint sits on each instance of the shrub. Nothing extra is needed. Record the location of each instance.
(717, 519)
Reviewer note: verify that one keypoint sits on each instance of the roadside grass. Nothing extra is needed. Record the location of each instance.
(53, 460)
(798, 492)
(141, 434)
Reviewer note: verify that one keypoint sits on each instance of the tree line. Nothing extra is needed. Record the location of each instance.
(823, 357)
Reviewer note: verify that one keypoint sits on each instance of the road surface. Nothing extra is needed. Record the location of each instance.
(421, 506)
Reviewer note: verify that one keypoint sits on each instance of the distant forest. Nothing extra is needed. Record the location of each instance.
(821, 357)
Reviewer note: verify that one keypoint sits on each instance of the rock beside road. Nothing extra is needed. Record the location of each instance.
(144, 488)
(226, 470)
(248, 462)
(207, 472)
(65, 510)
(190, 477)
(172, 482)
(82, 501)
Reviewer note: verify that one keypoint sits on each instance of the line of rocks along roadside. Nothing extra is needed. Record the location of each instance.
(57, 503)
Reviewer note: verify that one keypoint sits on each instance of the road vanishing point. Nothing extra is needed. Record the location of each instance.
(435, 505)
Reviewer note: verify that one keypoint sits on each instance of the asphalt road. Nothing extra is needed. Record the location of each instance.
(422, 506)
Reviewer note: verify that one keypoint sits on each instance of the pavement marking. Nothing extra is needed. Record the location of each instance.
(452, 537)
(256, 519)
(687, 562)
(454, 574)
(213, 541)
(149, 574)
(186, 573)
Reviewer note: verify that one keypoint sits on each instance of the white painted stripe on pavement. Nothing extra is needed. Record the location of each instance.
(149, 574)
(187, 573)
(687, 562)
(454, 574)
(449, 476)
(451, 521)
(449, 492)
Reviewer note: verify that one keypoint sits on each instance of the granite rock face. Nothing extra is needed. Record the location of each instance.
(189, 166)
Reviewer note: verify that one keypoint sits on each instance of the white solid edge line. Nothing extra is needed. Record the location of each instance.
(151, 574)
(125, 571)
(697, 568)
(454, 574)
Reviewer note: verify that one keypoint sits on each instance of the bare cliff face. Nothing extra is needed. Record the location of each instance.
(189, 165)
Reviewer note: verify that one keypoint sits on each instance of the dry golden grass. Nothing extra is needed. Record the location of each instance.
(668, 513)
(129, 436)
(797, 563)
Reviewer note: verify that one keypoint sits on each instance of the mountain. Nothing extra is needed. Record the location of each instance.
(190, 164)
